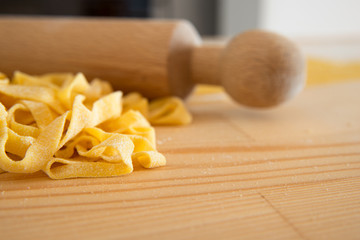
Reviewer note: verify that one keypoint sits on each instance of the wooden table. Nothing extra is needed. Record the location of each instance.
(288, 173)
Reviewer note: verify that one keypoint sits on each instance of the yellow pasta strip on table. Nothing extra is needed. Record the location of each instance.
(40, 112)
(79, 119)
(68, 150)
(56, 79)
(67, 127)
(22, 129)
(105, 108)
(71, 88)
(131, 122)
(116, 148)
(51, 81)
(97, 89)
(18, 145)
(4, 81)
(170, 111)
(163, 111)
(35, 93)
(149, 159)
(134, 101)
(38, 154)
(2, 76)
(76, 168)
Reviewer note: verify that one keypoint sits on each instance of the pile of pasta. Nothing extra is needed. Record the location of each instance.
(67, 127)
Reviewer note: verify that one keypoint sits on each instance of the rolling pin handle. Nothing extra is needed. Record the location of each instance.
(205, 64)
(256, 68)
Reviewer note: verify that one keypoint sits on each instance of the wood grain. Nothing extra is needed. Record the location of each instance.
(287, 173)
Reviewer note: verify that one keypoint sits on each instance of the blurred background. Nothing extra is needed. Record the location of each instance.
(214, 17)
(325, 30)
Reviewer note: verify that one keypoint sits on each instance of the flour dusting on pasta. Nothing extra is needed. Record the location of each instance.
(67, 127)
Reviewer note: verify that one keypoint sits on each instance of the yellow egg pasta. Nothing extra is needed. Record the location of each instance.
(163, 111)
(67, 127)
(168, 111)
(2, 76)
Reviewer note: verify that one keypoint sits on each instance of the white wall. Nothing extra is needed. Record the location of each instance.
(235, 16)
(311, 17)
(295, 18)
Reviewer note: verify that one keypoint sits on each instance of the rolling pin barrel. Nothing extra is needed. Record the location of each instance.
(156, 58)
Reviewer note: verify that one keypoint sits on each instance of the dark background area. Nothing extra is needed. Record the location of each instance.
(202, 13)
(111, 8)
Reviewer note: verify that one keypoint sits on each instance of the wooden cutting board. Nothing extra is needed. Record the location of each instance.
(288, 173)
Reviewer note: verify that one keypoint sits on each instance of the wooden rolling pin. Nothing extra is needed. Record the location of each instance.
(157, 58)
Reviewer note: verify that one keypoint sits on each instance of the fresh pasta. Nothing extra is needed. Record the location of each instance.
(163, 111)
(67, 127)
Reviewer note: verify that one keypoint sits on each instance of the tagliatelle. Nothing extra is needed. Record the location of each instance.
(164, 111)
(2, 76)
(169, 110)
(67, 127)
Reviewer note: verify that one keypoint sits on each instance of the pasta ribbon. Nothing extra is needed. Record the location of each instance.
(67, 127)
(163, 111)
(168, 111)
